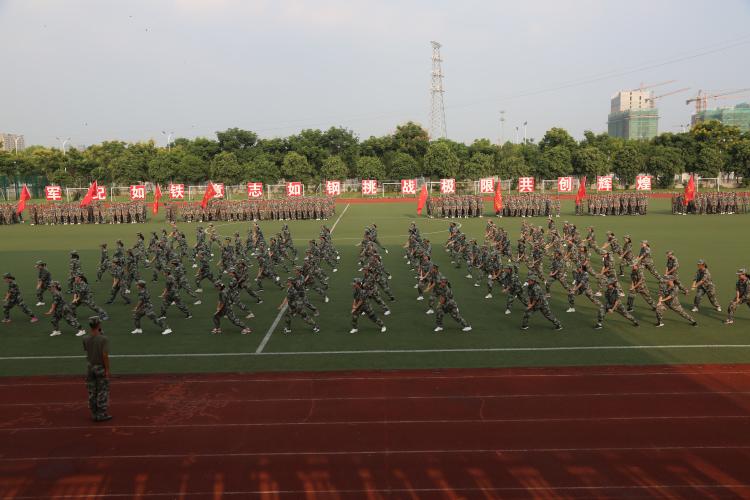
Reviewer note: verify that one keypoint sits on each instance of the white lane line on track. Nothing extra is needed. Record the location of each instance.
(282, 311)
(147, 456)
(144, 379)
(382, 422)
(452, 397)
(396, 351)
(692, 487)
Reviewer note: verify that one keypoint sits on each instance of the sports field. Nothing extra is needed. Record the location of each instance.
(496, 339)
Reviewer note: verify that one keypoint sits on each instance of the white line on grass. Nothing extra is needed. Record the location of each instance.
(276, 321)
(395, 351)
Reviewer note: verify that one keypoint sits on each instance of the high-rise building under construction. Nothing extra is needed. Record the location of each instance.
(738, 116)
(633, 115)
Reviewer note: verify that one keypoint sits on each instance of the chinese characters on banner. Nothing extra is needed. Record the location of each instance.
(526, 184)
(408, 186)
(565, 184)
(643, 183)
(177, 191)
(333, 188)
(218, 189)
(138, 192)
(447, 186)
(254, 190)
(487, 186)
(53, 193)
(294, 189)
(604, 183)
(369, 186)
(101, 193)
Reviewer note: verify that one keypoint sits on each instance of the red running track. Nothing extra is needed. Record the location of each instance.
(608, 432)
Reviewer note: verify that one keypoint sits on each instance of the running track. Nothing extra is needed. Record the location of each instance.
(654, 432)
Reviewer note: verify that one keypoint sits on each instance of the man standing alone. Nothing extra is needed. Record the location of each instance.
(96, 346)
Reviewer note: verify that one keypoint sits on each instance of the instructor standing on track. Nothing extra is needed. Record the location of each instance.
(96, 346)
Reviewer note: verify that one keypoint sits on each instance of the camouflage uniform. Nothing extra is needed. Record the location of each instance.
(44, 279)
(171, 295)
(361, 306)
(512, 286)
(82, 295)
(118, 282)
(742, 296)
(13, 299)
(75, 270)
(613, 303)
(447, 304)
(669, 299)
(295, 301)
(97, 384)
(225, 309)
(204, 271)
(704, 285)
(103, 262)
(538, 302)
(62, 310)
(146, 308)
(638, 287)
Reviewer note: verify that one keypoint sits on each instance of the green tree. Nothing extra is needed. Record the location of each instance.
(555, 161)
(163, 166)
(296, 168)
(627, 163)
(262, 169)
(555, 137)
(739, 159)
(664, 163)
(479, 165)
(440, 161)
(191, 168)
(226, 168)
(236, 140)
(403, 166)
(589, 161)
(711, 160)
(334, 168)
(370, 167)
(412, 139)
(341, 142)
(128, 168)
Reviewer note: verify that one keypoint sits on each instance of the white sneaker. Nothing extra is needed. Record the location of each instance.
(421, 297)
(335, 269)
(199, 290)
(386, 250)
(55, 333)
(390, 276)
(167, 331)
(387, 312)
(718, 309)
(277, 278)
(338, 257)
(507, 311)
(466, 329)
(137, 331)
(694, 309)
(249, 315)
(197, 302)
(488, 296)
(353, 330)
(39, 304)
(81, 333)
(438, 329)
(571, 310)
(195, 265)
(598, 294)
(468, 276)
(162, 317)
(430, 311)
(326, 299)
(383, 329)
(416, 285)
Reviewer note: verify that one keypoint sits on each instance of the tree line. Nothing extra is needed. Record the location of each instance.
(237, 155)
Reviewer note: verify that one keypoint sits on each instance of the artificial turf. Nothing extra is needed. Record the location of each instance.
(496, 339)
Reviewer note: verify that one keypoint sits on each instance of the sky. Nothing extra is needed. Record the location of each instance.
(96, 70)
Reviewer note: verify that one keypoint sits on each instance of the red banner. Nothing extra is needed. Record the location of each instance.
(157, 197)
(498, 202)
(25, 196)
(93, 190)
(422, 199)
(581, 191)
(210, 193)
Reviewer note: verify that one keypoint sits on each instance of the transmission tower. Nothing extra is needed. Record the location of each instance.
(438, 128)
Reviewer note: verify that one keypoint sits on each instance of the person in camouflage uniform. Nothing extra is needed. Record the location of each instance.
(557, 272)
(370, 284)
(295, 302)
(130, 272)
(171, 296)
(638, 287)
(204, 270)
(581, 287)
(493, 271)
(103, 262)
(75, 269)
(265, 271)
(13, 299)
(512, 286)
(224, 308)
(118, 282)
(44, 278)
(671, 269)
(626, 254)
(704, 285)
(537, 301)
(235, 288)
(447, 304)
(182, 283)
(144, 307)
(668, 298)
(82, 295)
(646, 260)
(741, 296)
(361, 306)
(96, 347)
(612, 303)
(61, 310)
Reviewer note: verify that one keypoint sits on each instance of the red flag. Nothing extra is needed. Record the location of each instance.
(690, 190)
(86, 201)
(210, 193)
(498, 197)
(422, 199)
(581, 191)
(25, 195)
(157, 197)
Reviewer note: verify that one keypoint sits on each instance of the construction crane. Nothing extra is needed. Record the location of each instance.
(644, 87)
(654, 98)
(701, 100)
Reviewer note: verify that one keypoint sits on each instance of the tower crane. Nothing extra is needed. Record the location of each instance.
(644, 87)
(701, 100)
(653, 98)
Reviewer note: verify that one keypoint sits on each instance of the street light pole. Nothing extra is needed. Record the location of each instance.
(63, 142)
(515, 137)
(524, 131)
(16, 139)
(502, 126)
(169, 135)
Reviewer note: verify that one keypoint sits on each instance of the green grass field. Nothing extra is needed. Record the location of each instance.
(496, 340)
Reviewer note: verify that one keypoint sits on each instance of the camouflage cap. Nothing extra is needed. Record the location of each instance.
(218, 284)
(74, 253)
(741, 270)
(532, 277)
(8, 276)
(701, 262)
(612, 281)
(103, 245)
(55, 283)
(670, 252)
(40, 263)
(645, 242)
(140, 283)
(626, 237)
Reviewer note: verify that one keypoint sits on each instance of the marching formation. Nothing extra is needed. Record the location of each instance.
(615, 204)
(530, 205)
(374, 280)
(454, 206)
(301, 208)
(712, 203)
